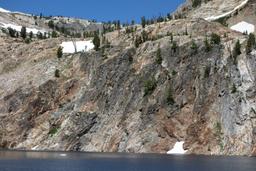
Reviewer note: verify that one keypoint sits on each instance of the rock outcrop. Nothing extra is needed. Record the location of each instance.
(126, 99)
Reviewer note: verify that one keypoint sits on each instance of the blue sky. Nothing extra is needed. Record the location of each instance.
(101, 10)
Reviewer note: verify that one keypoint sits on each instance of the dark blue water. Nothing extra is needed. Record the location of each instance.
(58, 161)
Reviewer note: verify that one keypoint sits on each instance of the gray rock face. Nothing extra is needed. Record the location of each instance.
(123, 99)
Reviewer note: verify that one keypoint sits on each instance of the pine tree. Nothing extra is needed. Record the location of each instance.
(57, 73)
(51, 24)
(207, 45)
(96, 41)
(143, 22)
(54, 34)
(174, 47)
(12, 32)
(39, 35)
(159, 58)
(31, 35)
(171, 35)
(215, 39)
(196, 3)
(138, 41)
(237, 49)
(59, 52)
(250, 43)
(23, 32)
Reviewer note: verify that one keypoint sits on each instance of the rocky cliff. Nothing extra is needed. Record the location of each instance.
(170, 87)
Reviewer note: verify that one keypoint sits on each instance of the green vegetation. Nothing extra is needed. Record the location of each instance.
(27, 40)
(233, 89)
(159, 58)
(215, 39)
(96, 41)
(53, 131)
(57, 73)
(223, 21)
(174, 47)
(250, 43)
(237, 50)
(149, 86)
(54, 34)
(207, 45)
(143, 22)
(174, 72)
(144, 36)
(39, 35)
(23, 32)
(12, 32)
(31, 35)
(51, 24)
(196, 3)
(59, 52)
(137, 41)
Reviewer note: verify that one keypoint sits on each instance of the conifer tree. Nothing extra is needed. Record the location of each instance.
(207, 45)
(31, 35)
(237, 49)
(23, 32)
(12, 32)
(159, 58)
(250, 43)
(143, 22)
(96, 41)
(59, 52)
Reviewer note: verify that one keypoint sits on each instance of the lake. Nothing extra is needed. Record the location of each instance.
(77, 161)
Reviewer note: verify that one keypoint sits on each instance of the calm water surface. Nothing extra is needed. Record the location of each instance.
(60, 161)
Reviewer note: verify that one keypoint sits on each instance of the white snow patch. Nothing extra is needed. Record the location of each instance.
(244, 27)
(212, 18)
(13, 12)
(4, 10)
(177, 149)
(18, 28)
(81, 46)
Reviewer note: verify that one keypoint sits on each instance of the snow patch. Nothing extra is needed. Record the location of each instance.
(212, 18)
(77, 46)
(244, 27)
(177, 149)
(18, 28)
(4, 10)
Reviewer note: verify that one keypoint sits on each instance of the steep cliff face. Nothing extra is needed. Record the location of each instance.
(131, 99)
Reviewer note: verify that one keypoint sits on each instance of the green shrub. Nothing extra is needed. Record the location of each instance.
(196, 3)
(215, 39)
(27, 40)
(174, 72)
(250, 43)
(233, 89)
(53, 131)
(159, 58)
(149, 86)
(57, 73)
(59, 52)
(207, 45)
